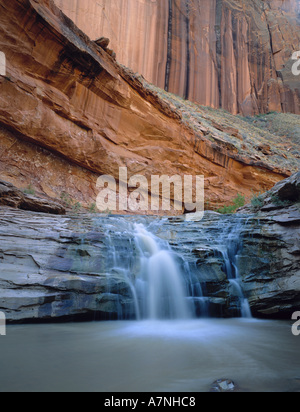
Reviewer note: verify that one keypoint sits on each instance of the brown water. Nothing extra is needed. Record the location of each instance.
(183, 356)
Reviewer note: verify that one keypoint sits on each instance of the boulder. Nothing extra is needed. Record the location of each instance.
(103, 42)
(223, 385)
(13, 197)
(288, 189)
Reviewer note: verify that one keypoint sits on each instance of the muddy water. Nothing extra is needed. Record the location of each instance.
(150, 356)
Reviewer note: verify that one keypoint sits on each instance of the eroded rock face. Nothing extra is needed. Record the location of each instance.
(271, 253)
(48, 272)
(270, 266)
(69, 113)
(234, 54)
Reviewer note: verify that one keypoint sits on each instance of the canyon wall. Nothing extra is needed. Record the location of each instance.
(69, 113)
(234, 54)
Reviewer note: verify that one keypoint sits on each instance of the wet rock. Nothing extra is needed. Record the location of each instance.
(223, 385)
(270, 259)
(50, 272)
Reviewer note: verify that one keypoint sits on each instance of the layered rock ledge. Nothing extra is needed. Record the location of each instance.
(15, 198)
(271, 270)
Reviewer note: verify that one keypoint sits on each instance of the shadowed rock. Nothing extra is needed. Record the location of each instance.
(13, 197)
(103, 42)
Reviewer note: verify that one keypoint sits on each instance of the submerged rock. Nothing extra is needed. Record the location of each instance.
(223, 385)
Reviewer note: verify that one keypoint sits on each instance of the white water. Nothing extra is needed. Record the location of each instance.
(159, 285)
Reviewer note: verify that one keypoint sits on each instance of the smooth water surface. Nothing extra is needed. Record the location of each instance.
(150, 356)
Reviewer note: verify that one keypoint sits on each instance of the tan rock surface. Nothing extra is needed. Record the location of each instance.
(234, 54)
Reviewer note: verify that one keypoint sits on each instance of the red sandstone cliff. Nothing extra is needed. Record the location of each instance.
(234, 54)
(69, 113)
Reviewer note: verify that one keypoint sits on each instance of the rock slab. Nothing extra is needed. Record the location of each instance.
(13, 197)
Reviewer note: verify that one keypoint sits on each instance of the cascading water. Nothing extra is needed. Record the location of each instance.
(229, 246)
(159, 285)
(166, 282)
(161, 282)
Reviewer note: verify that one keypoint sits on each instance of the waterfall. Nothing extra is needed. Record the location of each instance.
(166, 282)
(230, 244)
(237, 291)
(159, 284)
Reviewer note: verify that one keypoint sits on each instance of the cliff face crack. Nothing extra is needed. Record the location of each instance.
(273, 53)
(169, 46)
(219, 11)
(188, 54)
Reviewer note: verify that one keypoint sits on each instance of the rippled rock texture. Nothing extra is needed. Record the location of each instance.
(234, 54)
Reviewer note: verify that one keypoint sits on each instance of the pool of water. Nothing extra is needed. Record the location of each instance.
(150, 356)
